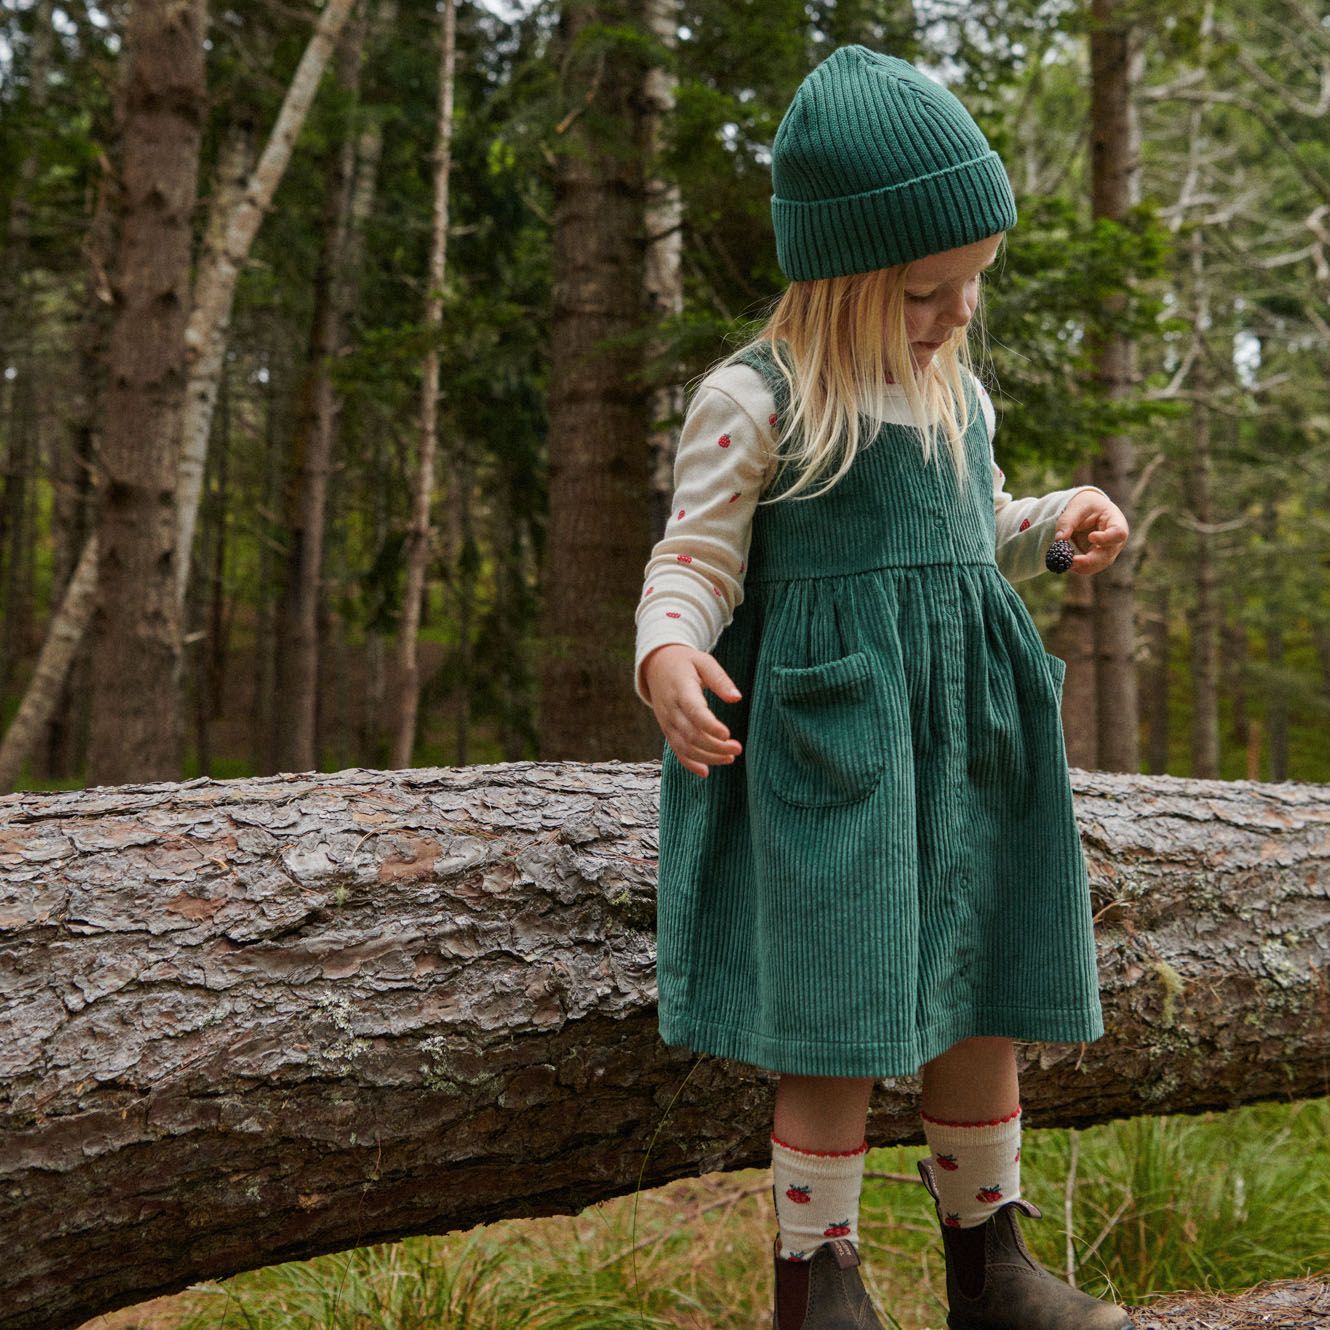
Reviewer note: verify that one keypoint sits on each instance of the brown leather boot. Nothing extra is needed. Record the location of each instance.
(823, 1292)
(993, 1283)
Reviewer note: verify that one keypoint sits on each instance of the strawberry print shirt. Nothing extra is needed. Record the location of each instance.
(694, 578)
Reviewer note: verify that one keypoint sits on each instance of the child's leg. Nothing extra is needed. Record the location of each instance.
(971, 1113)
(817, 1160)
(822, 1112)
(817, 1169)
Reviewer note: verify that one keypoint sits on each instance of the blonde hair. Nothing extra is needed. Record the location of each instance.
(826, 337)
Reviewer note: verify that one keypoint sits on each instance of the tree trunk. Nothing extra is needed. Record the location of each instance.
(1073, 640)
(136, 702)
(1321, 640)
(1276, 704)
(264, 710)
(1234, 672)
(598, 533)
(1205, 603)
(511, 539)
(419, 539)
(19, 336)
(219, 270)
(1156, 695)
(369, 154)
(664, 258)
(468, 573)
(312, 451)
(73, 504)
(249, 1021)
(44, 691)
(1115, 73)
(18, 537)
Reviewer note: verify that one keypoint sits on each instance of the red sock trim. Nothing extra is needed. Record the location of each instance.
(821, 1154)
(993, 1122)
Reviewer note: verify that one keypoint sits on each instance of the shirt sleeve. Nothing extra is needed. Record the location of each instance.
(1025, 527)
(693, 580)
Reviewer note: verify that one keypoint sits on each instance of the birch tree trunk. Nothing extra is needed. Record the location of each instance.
(249, 1021)
(419, 539)
(1115, 73)
(664, 258)
(219, 270)
(43, 694)
(312, 451)
(136, 702)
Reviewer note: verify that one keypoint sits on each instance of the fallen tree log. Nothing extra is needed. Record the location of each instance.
(246, 1022)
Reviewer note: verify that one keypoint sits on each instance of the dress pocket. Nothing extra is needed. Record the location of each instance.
(1057, 669)
(829, 745)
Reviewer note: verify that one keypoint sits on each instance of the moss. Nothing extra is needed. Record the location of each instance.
(1174, 987)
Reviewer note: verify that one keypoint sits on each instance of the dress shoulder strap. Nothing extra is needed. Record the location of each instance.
(759, 357)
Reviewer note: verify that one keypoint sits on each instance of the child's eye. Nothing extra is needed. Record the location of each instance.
(911, 295)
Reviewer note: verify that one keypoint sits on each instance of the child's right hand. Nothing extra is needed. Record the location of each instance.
(674, 675)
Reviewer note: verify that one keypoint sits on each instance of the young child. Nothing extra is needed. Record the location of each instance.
(869, 862)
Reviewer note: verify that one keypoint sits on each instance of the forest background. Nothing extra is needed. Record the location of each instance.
(597, 178)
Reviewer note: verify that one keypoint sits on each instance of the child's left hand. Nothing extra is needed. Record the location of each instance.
(1098, 529)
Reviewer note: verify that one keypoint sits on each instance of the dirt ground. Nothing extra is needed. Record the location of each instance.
(1290, 1304)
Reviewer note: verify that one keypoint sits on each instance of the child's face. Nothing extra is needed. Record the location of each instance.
(941, 292)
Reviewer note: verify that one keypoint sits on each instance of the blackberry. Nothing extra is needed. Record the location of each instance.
(1059, 556)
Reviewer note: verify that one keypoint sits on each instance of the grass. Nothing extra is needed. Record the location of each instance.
(1217, 1202)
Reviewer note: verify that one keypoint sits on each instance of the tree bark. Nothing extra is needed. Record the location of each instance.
(136, 702)
(250, 1021)
(420, 540)
(598, 534)
(219, 270)
(1115, 74)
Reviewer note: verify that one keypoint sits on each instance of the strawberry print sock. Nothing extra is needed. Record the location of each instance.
(817, 1197)
(977, 1166)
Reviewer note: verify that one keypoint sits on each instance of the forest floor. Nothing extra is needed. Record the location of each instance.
(1173, 1229)
(1288, 1304)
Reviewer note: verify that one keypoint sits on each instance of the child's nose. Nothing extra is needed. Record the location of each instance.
(957, 311)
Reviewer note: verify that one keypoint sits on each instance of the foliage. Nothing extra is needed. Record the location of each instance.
(1234, 161)
(1216, 1202)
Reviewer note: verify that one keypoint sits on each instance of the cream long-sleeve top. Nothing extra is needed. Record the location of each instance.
(694, 578)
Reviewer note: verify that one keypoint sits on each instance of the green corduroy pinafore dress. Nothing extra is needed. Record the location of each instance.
(893, 863)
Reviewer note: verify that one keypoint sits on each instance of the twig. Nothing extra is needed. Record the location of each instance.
(1068, 1195)
(1108, 1227)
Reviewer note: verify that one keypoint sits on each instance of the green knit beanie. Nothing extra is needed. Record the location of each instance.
(874, 164)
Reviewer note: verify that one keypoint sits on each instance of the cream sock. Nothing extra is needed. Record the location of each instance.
(977, 1166)
(817, 1197)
